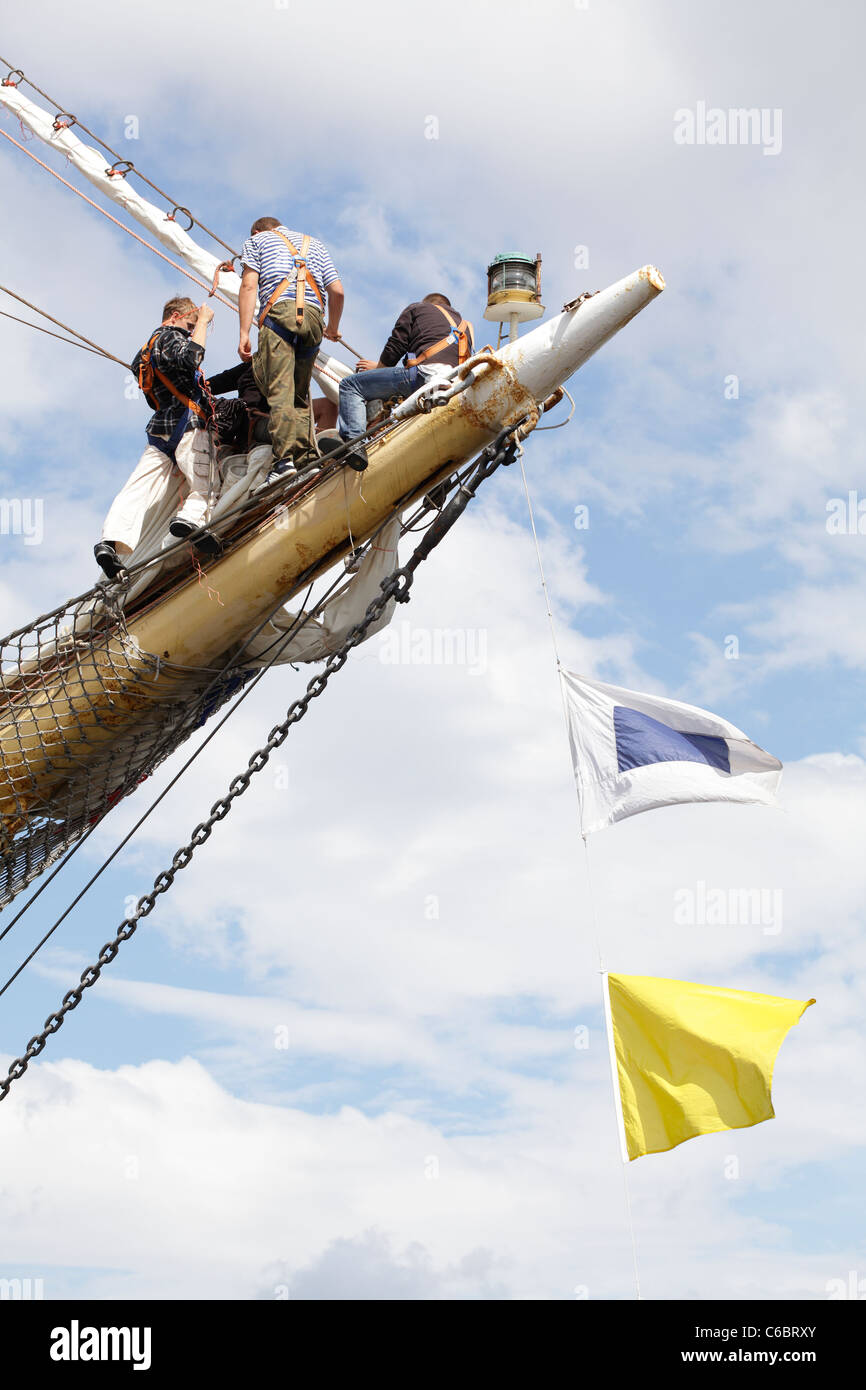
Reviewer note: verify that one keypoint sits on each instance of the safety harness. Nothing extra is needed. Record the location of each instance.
(300, 261)
(147, 370)
(461, 334)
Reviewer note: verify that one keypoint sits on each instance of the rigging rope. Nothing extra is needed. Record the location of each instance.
(117, 222)
(59, 336)
(540, 565)
(567, 421)
(70, 120)
(91, 346)
(593, 925)
(397, 588)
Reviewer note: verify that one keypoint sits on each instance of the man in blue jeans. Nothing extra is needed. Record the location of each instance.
(430, 336)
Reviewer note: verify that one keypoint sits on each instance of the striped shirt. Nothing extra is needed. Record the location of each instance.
(268, 254)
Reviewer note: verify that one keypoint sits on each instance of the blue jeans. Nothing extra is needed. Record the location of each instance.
(378, 385)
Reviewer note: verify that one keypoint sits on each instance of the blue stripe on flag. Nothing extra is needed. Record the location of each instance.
(641, 740)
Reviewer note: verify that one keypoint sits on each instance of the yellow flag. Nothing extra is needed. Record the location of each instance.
(693, 1059)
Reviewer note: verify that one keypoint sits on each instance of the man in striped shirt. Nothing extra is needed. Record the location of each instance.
(291, 327)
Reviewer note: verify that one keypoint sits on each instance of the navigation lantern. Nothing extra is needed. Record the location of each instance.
(514, 290)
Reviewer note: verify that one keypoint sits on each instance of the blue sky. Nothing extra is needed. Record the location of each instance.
(451, 1037)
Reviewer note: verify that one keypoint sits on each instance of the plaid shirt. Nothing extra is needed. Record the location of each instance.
(178, 358)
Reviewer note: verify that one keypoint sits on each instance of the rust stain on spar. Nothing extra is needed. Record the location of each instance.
(504, 402)
(653, 277)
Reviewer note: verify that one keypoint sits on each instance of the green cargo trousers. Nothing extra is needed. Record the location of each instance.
(283, 369)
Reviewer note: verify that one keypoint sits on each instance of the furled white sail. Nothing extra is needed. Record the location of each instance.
(234, 478)
(325, 634)
(328, 371)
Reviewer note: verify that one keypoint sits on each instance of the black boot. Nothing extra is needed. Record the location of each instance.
(108, 559)
(204, 543)
(207, 546)
(328, 441)
(357, 457)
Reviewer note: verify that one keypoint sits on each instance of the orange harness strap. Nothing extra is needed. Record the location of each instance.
(463, 331)
(147, 367)
(300, 258)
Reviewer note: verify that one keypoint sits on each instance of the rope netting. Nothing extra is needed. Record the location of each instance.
(85, 716)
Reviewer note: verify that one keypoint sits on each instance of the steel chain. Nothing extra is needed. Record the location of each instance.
(395, 587)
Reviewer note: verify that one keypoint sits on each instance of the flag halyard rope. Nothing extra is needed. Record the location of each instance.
(594, 932)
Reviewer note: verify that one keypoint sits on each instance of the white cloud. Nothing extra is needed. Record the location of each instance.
(202, 1194)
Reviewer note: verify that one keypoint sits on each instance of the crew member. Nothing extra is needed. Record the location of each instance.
(243, 422)
(179, 447)
(430, 336)
(293, 275)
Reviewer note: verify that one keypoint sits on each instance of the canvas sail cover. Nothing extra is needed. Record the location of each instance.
(328, 370)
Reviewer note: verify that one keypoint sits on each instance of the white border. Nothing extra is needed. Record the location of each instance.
(614, 1072)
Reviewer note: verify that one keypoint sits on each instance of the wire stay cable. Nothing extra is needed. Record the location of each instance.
(70, 120)
(59, 336)
(155, 249)
(90, 346)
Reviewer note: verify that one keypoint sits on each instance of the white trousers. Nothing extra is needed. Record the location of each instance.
(152, 483)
